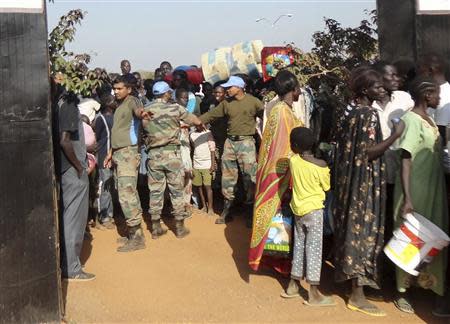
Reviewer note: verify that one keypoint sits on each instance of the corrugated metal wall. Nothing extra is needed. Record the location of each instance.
(30, 287)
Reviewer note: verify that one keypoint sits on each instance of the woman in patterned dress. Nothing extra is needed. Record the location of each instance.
(272, 177)
(360, 191)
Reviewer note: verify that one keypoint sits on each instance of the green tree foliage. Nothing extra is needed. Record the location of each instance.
(345, 47)
(326, 68)
(73, 66)
(338, 50)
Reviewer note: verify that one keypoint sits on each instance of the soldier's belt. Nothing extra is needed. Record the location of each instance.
(131, 147)
(170, 147)
(239, 137)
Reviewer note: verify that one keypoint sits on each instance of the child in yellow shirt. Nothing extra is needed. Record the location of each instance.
(310, 180)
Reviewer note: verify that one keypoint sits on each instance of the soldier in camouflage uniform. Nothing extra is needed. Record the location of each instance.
(239, 152)
(164, 165)
(125, 155)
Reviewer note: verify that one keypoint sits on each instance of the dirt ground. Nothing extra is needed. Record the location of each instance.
(201, 278)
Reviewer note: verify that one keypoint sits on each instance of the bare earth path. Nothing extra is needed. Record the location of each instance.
(202, 278)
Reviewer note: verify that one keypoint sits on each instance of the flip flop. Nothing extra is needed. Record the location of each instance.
(288, 296)
(326, 302)
(368, 311)
(375, 298)
(404, 305)
(441, 313)
(369, 296)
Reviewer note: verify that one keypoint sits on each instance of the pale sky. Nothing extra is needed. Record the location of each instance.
(147, 32)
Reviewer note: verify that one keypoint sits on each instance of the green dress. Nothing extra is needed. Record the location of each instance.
(428, 194)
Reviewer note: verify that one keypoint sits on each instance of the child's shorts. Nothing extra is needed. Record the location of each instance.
(201, 177)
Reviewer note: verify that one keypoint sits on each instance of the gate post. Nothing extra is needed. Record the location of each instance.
(30, 284)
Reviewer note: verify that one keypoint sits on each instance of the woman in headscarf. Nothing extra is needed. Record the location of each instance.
(272, 178)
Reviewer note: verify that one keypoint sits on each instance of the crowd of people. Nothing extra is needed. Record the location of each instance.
(137, 146)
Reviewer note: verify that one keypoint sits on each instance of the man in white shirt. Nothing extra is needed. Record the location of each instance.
(393, 106)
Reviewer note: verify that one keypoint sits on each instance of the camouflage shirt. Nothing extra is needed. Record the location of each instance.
(164, 127)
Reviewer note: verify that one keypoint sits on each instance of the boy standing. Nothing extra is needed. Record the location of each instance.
(103, 127)
(182, 98)
(204, 166)
(310, 180)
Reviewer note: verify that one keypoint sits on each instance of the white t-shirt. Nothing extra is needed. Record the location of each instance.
(203, 143)
(442, 113)
(400, 103)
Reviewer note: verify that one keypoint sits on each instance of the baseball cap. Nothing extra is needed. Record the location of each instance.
(160, 88)
(234, 81)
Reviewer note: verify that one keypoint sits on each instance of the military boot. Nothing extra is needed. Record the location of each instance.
(136, 240)
(157, 229)
(181, 230)
(225, 216)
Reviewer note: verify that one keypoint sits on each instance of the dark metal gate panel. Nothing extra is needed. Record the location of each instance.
(405, 34)
(396, 29)
(433, 35)
(30, 287)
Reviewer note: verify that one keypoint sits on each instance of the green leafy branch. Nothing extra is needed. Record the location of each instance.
(73, 67)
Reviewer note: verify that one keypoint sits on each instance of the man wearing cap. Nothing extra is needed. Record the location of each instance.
(125, 155)
(239, 149)
(164, 165)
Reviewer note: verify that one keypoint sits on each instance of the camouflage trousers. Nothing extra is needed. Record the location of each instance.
(126, 161)
(239, 156)
(165, 168)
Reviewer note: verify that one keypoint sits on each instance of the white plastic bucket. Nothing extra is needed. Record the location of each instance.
(416, 241)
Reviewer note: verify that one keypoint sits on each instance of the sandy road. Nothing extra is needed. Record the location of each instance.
(202, 278)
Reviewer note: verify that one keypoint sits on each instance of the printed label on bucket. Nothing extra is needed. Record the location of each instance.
(406, 255)
(415, 242)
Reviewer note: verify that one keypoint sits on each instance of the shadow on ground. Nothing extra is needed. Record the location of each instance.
(238, 238)
(235, 231)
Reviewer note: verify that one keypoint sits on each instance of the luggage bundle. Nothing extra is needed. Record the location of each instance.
(221, 63)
